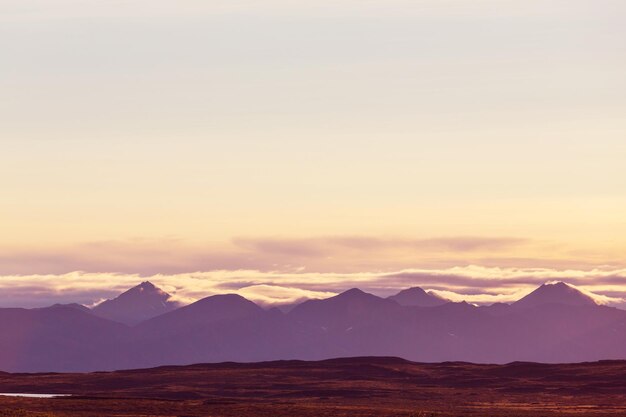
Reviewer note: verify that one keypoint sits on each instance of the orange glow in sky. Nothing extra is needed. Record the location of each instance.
(343, 138)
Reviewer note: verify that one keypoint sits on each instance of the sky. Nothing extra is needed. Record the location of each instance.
(305, 147)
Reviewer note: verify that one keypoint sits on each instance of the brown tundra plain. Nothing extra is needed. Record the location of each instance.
(339, 387)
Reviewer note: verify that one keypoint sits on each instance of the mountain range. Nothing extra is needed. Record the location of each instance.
(138, 304)
(144, 327)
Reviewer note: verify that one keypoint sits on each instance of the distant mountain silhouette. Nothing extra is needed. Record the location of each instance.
(558, 293)
(342, 309)
(59, 338)
(555, 323)
(418, 297)
(224, 327)
(138, 304)
(74, 305)
(208, 310)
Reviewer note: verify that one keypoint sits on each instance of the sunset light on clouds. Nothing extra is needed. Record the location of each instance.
(288, 151)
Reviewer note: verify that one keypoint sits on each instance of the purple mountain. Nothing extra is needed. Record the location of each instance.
(219, 328)
(555, 293)
(138, 304)
(348, 304)
(59, 338)
(555, 323)
(74, 305)
(418, 297)
(223, 307)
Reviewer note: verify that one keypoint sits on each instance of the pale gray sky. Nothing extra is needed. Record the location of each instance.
(185, 125)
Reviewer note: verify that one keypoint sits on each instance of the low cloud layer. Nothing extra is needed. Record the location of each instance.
(275, 270)
(475, 284)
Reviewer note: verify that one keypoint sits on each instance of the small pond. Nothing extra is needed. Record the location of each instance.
(19, 394)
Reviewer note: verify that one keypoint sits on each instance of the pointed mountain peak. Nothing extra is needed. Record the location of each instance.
(147, 285)
(416, 296)
(556, 292)
(354, 296)
(414, 291)
(353, 302)
(557, 285)
(352, 293)
(137, 304)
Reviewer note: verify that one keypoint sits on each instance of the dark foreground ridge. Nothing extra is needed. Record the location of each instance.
(364, 386)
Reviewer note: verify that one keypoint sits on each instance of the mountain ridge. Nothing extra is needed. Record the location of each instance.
(555, 292)
(230, 328)
(416, 296)
(137, 304)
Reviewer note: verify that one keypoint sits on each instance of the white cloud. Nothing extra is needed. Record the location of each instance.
(474, 284)
(277, 295)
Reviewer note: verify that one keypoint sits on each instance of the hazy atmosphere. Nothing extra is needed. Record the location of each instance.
(352, 208)
(287, 151)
